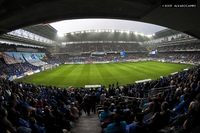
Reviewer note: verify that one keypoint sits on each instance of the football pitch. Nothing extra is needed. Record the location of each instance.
(79, 75)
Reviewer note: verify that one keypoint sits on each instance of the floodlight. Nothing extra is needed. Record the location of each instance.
(60, 34)
(141, 34)
(64, 43)
(149, 36)
(136, 33)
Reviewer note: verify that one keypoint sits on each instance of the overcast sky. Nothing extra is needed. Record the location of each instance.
(116, 24)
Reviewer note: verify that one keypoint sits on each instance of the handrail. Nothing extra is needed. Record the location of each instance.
(161, 89)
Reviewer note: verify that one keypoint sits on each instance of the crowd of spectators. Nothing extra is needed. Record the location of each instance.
(184, 57)
(168, 56)
(186, 46)
(26, 108)
(95, 58)
(18, 69)
(175, 110)
(132, 108)
(102, 47)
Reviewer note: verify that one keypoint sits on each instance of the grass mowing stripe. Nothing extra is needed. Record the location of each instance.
(121, 75)
(134, 69)
(64, 75)
(106, 74)
(51, 77)
(80, 75)
(134, 72)
(98, 77)
(85, 78)
(101, 74)
(162, 70)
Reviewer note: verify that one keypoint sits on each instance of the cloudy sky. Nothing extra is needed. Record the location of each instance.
(116, 24)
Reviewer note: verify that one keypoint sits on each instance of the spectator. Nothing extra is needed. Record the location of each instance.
(117, 126)
(5, 124)
(137, 126)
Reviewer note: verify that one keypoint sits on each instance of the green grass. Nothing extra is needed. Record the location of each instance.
(87, 74)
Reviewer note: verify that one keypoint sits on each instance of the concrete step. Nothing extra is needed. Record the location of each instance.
(87, 124)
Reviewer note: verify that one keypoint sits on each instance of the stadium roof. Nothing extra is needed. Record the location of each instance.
(100, 25)
(15, 14)
(44, 30)
(165, 32)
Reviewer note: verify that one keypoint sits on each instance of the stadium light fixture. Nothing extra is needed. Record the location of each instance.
(60, 34)
(149, 36)
(64, 43)
(141, 34)
(136, 33)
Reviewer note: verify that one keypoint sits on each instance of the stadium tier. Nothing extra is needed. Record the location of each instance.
(103, 47)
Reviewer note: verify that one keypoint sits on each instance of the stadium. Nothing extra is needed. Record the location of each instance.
(99, 66)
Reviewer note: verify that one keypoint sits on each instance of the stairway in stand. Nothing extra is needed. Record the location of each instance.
(87, 124)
